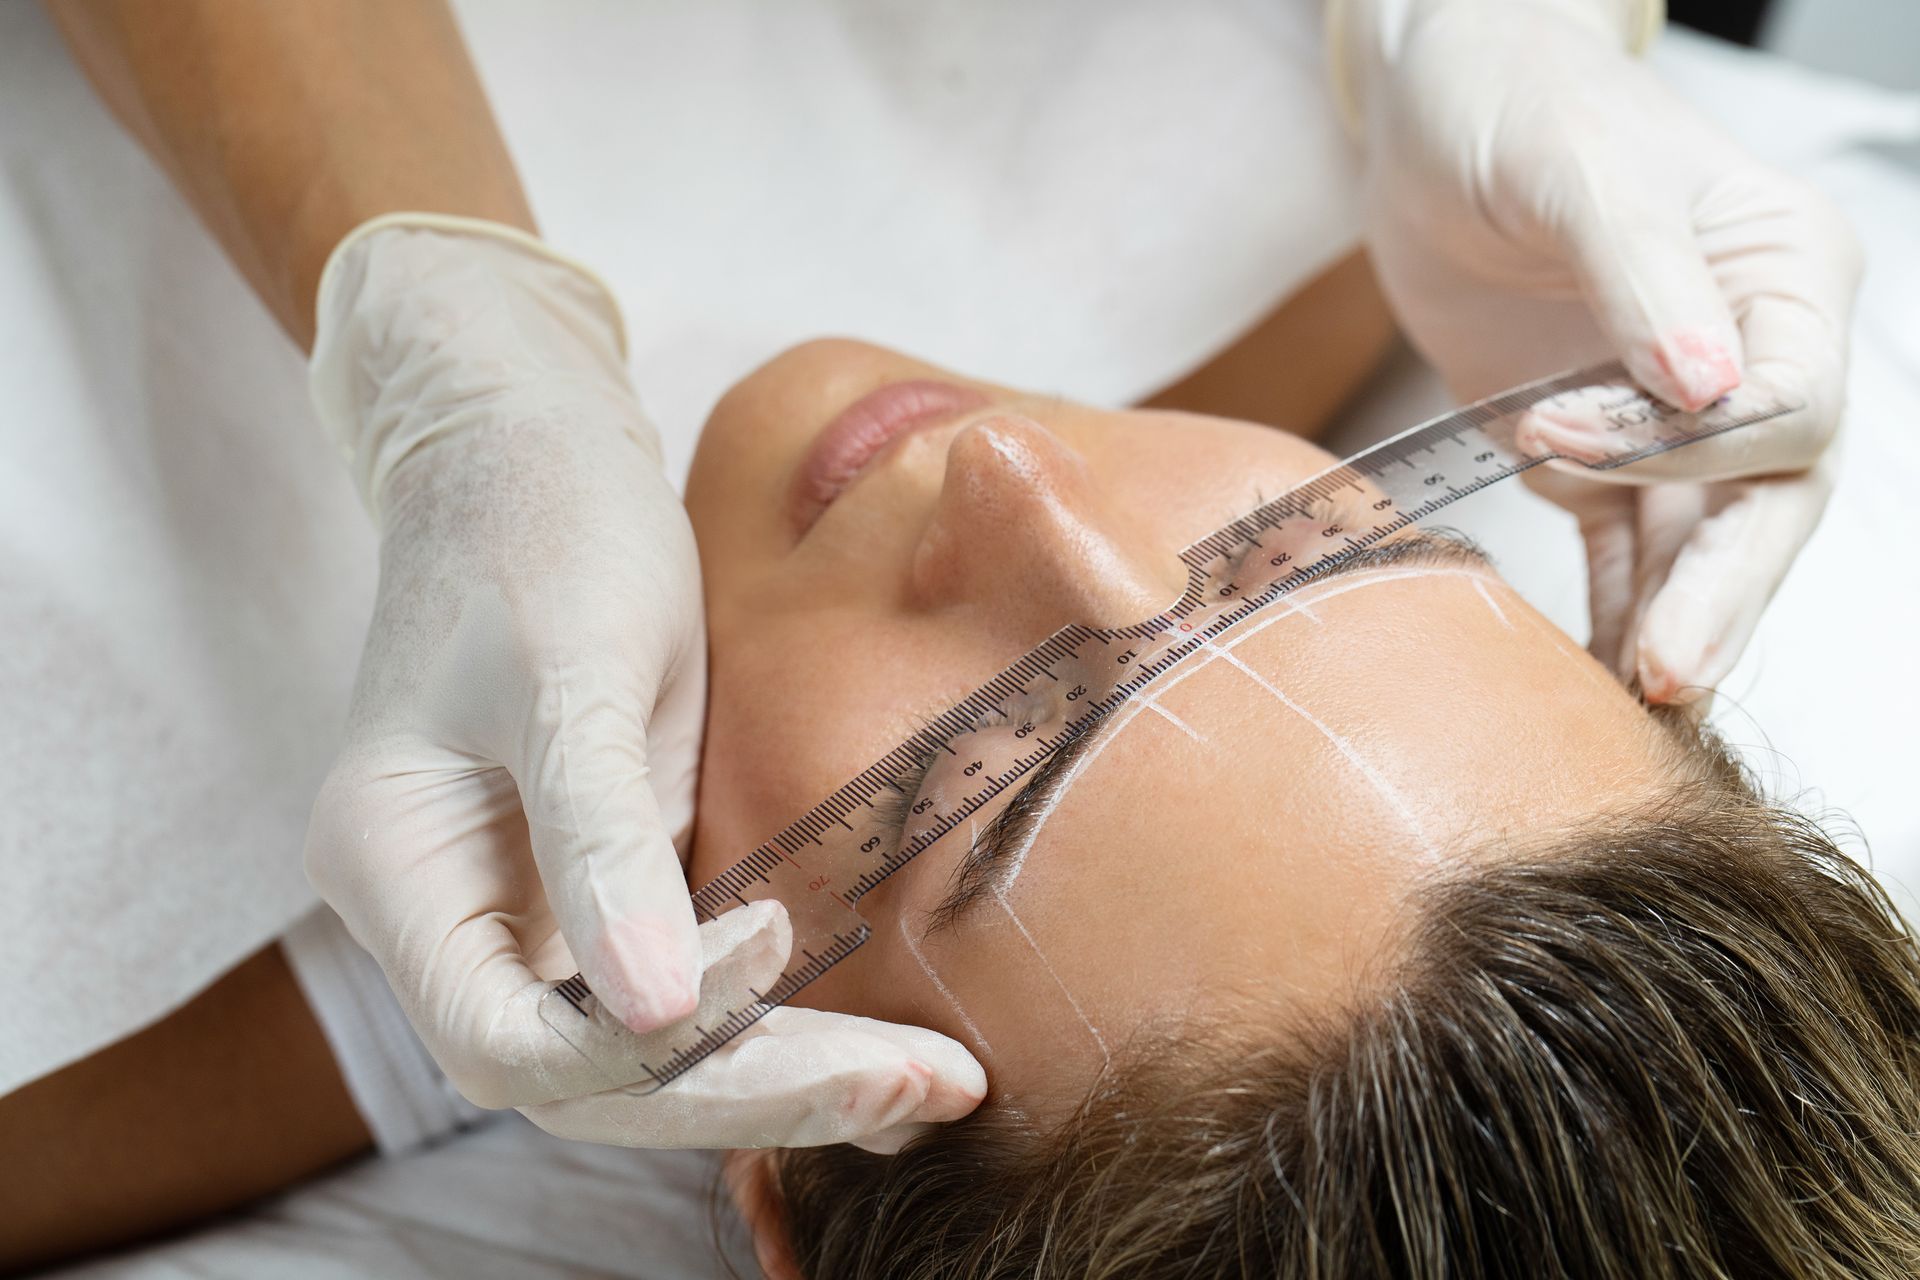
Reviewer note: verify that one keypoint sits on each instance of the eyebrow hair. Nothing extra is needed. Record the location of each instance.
(974, 877)
(1018, 822)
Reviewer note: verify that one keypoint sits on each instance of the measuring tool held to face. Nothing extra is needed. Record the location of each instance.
(823, 862)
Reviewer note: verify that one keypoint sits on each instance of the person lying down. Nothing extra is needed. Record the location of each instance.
(1393, 937)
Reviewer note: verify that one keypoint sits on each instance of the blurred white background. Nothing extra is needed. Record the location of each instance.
(1877, 40)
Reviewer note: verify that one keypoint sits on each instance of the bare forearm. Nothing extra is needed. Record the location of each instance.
(286, 123)
(229, 1098)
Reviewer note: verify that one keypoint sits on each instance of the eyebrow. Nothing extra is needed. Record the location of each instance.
(979, 870)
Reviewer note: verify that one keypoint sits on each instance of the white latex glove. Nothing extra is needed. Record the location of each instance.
(1536, 199)
(492, 820)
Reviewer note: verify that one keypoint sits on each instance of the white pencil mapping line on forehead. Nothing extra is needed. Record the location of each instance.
(1010, 859)
(1041, 956)
(1492, 604)
(933, 976)
(1152, 703)
(1347, 750)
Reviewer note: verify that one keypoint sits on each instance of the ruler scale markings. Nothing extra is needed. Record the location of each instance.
(1418, 472)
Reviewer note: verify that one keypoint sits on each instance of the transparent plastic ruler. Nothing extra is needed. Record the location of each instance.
(828, 857)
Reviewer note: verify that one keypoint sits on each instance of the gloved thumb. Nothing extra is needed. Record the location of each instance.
(1652, 294)
(611, 874)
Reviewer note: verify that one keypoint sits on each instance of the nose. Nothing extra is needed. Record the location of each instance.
(1023, 535)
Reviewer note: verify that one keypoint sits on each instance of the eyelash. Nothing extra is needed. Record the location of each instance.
(894, 805)
(974, 872)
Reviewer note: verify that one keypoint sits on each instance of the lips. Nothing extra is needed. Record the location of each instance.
(865, 427)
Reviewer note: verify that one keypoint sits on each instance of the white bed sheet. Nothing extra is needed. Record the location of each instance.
(504, 1201)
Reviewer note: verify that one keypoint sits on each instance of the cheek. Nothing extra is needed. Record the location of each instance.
(1189, 476)
(801, 702)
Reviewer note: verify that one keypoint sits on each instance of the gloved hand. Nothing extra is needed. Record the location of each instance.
(1537, 200)
(492, 820)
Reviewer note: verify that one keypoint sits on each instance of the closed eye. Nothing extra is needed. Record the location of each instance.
(1014, 826)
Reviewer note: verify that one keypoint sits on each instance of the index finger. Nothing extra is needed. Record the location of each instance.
(1786, 428)
(1790, 277)
(610, 870)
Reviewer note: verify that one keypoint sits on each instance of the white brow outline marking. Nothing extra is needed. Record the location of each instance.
(1487, 595)
(1152, 704)
(1133, 709)
(1018, 862)
(953, 1001)
(1046, 964)
(1386, 790)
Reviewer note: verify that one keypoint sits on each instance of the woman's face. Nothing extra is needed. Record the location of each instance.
(879, 537)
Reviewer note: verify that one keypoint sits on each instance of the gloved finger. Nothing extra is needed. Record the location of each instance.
(606, 860)
(1795, 360)
(383, 832)
(1795, 293)
(1653, 294)
(1607, 532)
(1704, 612)
(959, 1085)
(1664, 518)
(1794, 276)
(1605, 515)
(799, 1078)
(514, 1057)
(675, 727)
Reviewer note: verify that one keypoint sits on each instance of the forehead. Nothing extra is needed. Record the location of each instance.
(1258, 820)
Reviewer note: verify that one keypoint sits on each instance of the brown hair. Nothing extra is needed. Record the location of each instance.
(1685, 1044)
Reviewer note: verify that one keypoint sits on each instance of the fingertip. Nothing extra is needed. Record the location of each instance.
(1665, 682)
(764, 922)
(1657, 685)
(961, 1074)
(942, 1100)
(1697, 370)
(885, 1098)
(745, 950)
(661, 1003)
(890, 1141)
(776, 922)
(1684, 646)
(1532, 434)
(1675, 684)
(1566, 435)
(1665, 688)
(959, 1081)
(949, 1099)
(647, 978)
